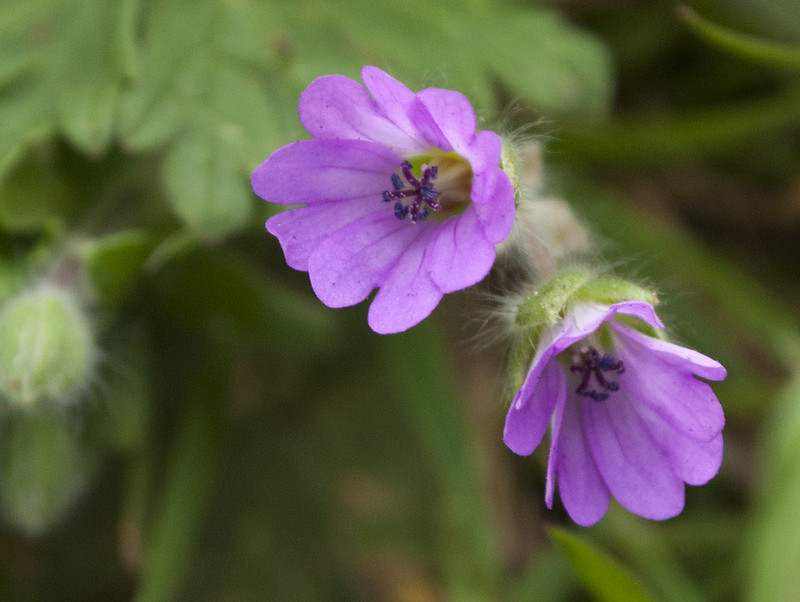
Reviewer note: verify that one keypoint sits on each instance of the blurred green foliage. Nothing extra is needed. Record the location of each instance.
(237, 440)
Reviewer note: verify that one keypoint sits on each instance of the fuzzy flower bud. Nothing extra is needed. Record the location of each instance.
(46, 348)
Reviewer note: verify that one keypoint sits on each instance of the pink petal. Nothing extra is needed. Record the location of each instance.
(583, 492)
(459, 255)
(634, 467)
(686, 403)
(398, 104)
(407, 295)
(355, 259)
(695, 462)
(639, 309)
(682, 358)
(319, 171)
(582, 321)
(586, 317)
(454, 115)
(301, 230)
(556, 338)
(533, 405)
(494, 203)
(552, 458)
(335, 106)
(484, 152)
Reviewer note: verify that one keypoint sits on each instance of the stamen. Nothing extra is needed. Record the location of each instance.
(589, 363)
(424, 195)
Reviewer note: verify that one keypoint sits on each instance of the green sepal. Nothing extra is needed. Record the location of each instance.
(551, 302)
(609, 291)
(547, 304)
(522, 351)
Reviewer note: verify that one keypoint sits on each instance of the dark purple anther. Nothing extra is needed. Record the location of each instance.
(421, 191)
(589, 363)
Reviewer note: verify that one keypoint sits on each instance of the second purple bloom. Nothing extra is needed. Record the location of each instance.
(628, 417)
(399, 192)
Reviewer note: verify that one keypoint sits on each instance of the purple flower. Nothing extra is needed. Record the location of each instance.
(399, 191)
(628, 416)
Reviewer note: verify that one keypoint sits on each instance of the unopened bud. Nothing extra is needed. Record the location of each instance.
(546, 232)
(44, 468)
(46, 349)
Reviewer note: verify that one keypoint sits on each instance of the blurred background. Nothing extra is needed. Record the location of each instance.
(181, 419)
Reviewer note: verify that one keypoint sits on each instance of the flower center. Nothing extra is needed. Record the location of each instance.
(414, 194)
(422, 194)
(591, 365)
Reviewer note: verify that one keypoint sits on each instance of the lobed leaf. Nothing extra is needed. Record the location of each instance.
(63, 66)
(86, 67)
(201, 87)
(203, 178)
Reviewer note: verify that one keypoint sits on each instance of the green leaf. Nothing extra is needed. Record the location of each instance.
(114, 262)
(201, 83)
(745, 46)
(206, 187)
(202, 63)
(232, 295)
(25, 119)
(602, 576)
(33, 196)
(650, 550)
(219, 80)
(773, 553)
(26, 115)
(427, 395)
(10, 279)
(779, 19)
(558, 68)
(86, 67)
(688, 135)
(553, 65)
(192, 468)
(547, 577)
(63, 65)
